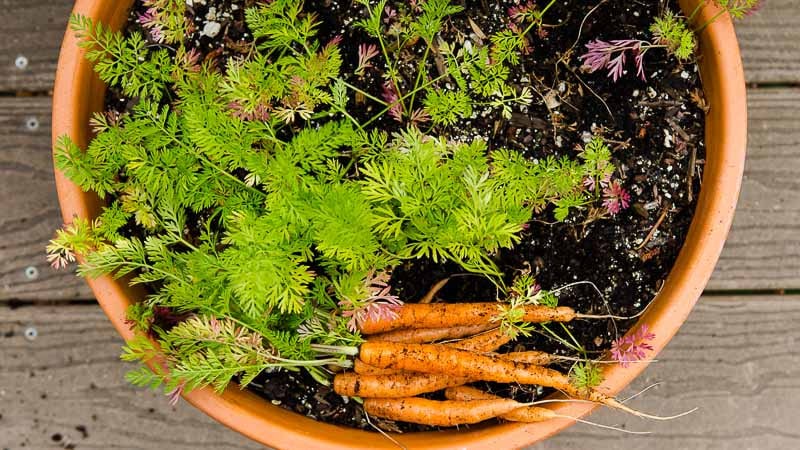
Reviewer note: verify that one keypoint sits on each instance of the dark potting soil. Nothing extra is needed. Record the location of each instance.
(655, 128)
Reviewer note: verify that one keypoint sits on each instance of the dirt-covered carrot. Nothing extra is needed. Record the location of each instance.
(444, 367)
(530, 357)
(371, 381)
(393, 385)
(425, 335)
(480, 343)
(363, 368)
(439, 359)
(528, 414)
(446, 413)
(443, 315)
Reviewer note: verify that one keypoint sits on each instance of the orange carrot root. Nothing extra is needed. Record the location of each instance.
(433, 358)
(528, 414)
(363, 368)
(442, 367)
(446, 413)
(530, 357)
(443, 315)
(481, 343)
(434, 290)
(393, 385)
(439, 359)
(425, 335)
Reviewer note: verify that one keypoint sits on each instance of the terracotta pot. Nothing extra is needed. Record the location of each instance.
(79, 93)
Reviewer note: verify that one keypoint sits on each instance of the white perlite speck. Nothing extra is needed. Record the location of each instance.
(668, 139)
(211, 29)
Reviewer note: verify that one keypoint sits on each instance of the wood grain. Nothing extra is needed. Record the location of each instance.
(763, 250)
(29, 205)
(735, 358)
(32, 29)
(768, 40)
(769, 43)
(71, 376)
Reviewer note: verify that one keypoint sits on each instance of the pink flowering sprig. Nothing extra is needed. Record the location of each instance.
(752, 6)
(151, 21)
(379, 305)
(334, 42)
(260, 113)
(59, 257)
(633, 347)
(419, 117)
(391, 15)
(366, 52)
(612, 55)
(175, 394)
(739, 9)
(392, 97)
(591, 183)
(520, 14)
(191, 60)
(616, 198)
(165, 20)
(73, 239)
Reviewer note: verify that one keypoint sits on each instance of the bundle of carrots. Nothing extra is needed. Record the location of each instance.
(398, 362)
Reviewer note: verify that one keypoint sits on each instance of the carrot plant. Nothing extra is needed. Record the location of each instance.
(264, 199)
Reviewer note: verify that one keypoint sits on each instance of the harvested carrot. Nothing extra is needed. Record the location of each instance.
(454, 367)
(443, 315)
(424, 335)
(481, 343)
(528, 414)
(371, 381)
(530, 357)
(363, 368)
(439, 359)
(393, 385)
(446, 413)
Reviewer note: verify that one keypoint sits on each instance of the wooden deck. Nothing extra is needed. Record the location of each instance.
(736, 358)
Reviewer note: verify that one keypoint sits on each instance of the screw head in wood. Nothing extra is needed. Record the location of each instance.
(21, 62)
(31, 333)
(31, 272)
(32, 123)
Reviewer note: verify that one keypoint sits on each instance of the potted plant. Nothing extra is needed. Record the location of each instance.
(260, 183)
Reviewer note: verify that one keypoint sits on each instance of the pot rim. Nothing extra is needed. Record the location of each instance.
(78, 92)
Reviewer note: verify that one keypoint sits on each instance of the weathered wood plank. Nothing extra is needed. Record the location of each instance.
(769, 43)
(34, 28)
(29, 205)
(735, 359)
(763, 251)
(70, 376)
